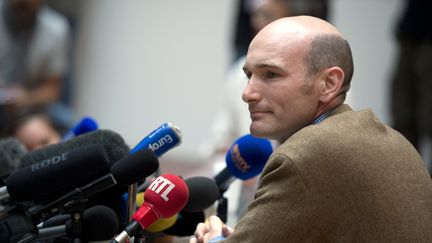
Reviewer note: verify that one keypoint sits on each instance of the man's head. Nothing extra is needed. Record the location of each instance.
(298, 68)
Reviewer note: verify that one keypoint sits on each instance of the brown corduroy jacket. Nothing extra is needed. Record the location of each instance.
(349, 178)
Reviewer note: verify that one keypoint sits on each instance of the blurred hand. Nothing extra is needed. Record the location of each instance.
(207, 231)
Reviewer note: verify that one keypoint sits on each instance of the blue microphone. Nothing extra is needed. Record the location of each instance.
(162, 139)
(87, 124)
(245, 159)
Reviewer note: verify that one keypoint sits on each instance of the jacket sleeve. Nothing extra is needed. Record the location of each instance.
(280, 211)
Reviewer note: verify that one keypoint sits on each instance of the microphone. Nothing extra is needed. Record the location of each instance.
(162, 139)
(162, 224)
(126, 171)
(98, 223)
(203, 192)
(164, 197)
(11, 152)
(86, 124)
(55, 173)
(245, 159)
(113, 143)
(186, 223)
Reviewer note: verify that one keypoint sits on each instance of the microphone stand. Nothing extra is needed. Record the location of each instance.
(222, 209)
(77, 226)
(132, 191)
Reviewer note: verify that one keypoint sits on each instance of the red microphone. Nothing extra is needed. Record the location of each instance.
(164, 197)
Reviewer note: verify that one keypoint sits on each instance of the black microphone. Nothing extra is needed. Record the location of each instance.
(11, 152)
(186, 223)
(113, 143)
(128, 170)
(17, 226)
(55, 173)
(98, 223)
(203, 192)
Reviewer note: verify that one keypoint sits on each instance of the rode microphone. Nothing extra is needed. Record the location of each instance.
(85, 125)
(126, 171)
(245, 159)
(55, 173)
(113, 143)
(164, 197)
(11, 152)
(98, 223)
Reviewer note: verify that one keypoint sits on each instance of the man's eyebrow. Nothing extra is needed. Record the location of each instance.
(263, 65)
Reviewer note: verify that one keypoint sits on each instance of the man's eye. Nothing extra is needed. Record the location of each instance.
(270, 75)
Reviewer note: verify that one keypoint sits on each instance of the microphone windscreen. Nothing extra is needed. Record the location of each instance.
(168, 193)
(247, 156)
(99, 223)
(203, 192)
(11, 152)
(57, 172)
(87, 124)
(135, 167)
(186, 223)
(113, 143)
(164, 198)
(162, 139)
(162, 224)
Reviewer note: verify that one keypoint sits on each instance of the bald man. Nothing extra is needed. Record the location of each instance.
(339, 175)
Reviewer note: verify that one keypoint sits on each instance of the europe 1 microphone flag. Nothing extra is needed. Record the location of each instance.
(164, 198)
(162, 139)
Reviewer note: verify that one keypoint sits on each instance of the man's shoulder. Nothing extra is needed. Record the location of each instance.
(333, 135)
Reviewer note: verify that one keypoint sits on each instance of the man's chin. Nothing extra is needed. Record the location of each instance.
(258, 131)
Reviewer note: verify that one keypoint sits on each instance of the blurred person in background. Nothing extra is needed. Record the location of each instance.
(411, 83)
(34, 49)
(33, 128)
(232, 120)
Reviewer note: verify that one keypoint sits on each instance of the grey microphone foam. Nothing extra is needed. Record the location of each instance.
(11, 152)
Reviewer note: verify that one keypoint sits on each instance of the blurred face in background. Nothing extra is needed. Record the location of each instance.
(264, 12)
(36, 133)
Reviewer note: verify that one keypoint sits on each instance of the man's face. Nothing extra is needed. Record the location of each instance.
(281, 101)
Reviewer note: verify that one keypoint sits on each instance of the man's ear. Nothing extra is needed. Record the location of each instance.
(332, 79)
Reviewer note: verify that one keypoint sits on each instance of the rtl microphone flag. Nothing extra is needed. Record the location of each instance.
(164, 198)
